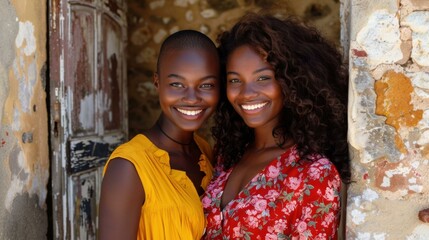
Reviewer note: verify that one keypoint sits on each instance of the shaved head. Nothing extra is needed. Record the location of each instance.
(185, 39)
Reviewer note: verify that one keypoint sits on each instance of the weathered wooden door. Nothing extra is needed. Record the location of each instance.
(88, 117)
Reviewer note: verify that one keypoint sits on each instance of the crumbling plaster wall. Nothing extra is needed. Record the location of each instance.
(24, 160)
(151, 21)
(388, 117)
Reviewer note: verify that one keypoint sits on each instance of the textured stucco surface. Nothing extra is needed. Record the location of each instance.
(388, 118)
(23, 117)
(150, 22)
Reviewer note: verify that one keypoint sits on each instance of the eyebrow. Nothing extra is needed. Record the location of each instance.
(173, 75)
(254, 72)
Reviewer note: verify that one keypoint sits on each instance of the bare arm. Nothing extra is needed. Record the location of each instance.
(122, 196)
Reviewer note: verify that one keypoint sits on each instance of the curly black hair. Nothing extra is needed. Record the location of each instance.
(314, 82)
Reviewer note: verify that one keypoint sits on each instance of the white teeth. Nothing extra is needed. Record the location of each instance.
(189, 112)
(253, 106)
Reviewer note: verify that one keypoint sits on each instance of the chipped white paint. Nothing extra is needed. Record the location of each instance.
(371, 236)
(369, 195)
(16, 187)
(71, 208)
(363, 236)
(19, 182)
(420, 82)
(86, 113)
(421, 232)
(359, 133)
(424, 138)
(88, 189)
(3, 91)
(25, 69)
(386, 182)
(113, 46)
(26, 38)
(380, 38)
(416, 188)
(27, 77)
(357, 200)
(400, 170)
(16, 123)
(104, 103)
(159, 36)
(113, 139)
(379, 236)
(358, 217)
(415, 164)
(419, 23)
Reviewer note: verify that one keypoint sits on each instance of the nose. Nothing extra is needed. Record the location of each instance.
(248, 91)
(191, 95)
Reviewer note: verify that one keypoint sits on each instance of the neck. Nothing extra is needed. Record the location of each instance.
(263, 139)
(187, 142)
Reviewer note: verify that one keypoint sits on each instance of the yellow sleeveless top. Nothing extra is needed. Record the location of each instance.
(172, 207)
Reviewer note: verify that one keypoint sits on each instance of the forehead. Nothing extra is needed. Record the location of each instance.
(178, 58)
(245, 56)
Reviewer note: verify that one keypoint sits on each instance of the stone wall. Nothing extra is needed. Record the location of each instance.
(388, 117)
(150, 22)
(24, 159)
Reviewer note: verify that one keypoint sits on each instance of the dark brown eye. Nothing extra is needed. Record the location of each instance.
(177, 84)
(207, 85)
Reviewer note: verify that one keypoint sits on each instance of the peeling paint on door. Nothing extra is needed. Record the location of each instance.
(89, 120)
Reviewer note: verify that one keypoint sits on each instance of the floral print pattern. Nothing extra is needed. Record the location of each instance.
(291, 198)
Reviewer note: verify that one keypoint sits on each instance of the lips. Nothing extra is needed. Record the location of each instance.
(251, 107)
(189, 112)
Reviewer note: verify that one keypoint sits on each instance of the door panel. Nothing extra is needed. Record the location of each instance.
(80, 68)
(88, 106)
(83, 193)
(112, 72)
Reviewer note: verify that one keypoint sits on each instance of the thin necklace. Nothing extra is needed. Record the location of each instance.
(172, 139)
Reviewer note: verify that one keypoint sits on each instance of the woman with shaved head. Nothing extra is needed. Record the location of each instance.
(152, 184)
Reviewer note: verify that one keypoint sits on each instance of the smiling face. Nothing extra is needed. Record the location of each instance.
(252, 88)
(188, 87)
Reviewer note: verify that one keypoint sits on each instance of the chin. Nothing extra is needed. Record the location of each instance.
(191, 127)
(253, 124)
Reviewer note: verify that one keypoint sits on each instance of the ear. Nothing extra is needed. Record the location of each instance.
(156, 80)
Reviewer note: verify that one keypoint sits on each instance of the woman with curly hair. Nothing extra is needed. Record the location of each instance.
(281, 134)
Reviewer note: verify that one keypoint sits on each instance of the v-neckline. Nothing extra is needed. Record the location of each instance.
(176, 173)
(239, 193)
(285, 154)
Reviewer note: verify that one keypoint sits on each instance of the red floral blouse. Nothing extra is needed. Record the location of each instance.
(289, 199)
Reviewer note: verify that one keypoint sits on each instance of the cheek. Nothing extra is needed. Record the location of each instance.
(212, 98)
(276, 92)
(168, 97)
(231, 94)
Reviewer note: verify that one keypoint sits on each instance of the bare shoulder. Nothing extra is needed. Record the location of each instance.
(122, 196)
(121, 172)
